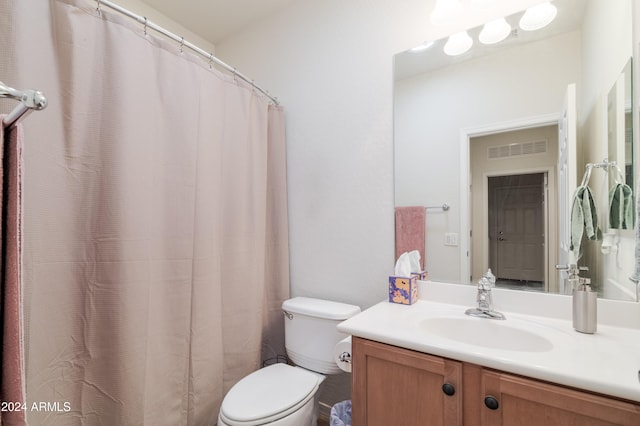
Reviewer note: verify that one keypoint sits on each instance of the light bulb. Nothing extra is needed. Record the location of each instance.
(494, 31)
(458, 43)
(537, 17)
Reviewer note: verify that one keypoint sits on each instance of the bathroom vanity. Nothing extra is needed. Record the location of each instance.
(392, 385)
(430, 364)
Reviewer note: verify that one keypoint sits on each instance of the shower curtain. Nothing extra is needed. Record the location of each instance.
(156, 246)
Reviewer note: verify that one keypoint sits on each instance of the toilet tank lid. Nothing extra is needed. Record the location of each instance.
(320, 308)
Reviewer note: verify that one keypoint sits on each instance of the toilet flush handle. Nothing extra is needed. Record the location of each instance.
(345, 357)
(289, 315)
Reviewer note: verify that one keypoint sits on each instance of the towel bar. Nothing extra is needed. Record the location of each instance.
(445, 207)
(29, 100)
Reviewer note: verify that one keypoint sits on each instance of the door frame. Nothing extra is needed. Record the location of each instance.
(466, 134)
(548, 182)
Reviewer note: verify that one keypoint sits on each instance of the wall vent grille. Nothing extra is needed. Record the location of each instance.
(517, 149)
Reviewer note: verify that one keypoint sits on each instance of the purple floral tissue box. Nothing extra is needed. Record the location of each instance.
(422, 276)
(403, 290)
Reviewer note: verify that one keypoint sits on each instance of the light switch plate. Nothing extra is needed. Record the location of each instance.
(450, 239)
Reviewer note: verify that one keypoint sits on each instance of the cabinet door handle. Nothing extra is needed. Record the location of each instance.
(491, 402)
(448, 389)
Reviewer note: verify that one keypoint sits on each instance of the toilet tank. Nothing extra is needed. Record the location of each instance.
(310, 331)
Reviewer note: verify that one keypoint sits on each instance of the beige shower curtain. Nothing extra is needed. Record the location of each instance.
(156, 246)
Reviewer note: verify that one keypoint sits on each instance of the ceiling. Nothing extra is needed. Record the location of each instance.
(216, 20)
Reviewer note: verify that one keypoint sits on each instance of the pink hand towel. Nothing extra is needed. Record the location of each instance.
(410, 231)
(13, 368)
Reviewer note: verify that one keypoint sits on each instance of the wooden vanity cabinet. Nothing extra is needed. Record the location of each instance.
(523, 401)
(395, 386)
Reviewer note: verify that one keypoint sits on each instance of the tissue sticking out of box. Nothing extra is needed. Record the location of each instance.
(414, 261)
(407, 263)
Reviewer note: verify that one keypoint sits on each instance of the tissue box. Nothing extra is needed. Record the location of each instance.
(403, 290)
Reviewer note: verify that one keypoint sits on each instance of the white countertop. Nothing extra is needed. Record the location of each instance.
(606, 362)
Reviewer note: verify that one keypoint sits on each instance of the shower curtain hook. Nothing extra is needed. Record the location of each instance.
(145, 25)
(210, 60)
(98, 10)
(182, 45)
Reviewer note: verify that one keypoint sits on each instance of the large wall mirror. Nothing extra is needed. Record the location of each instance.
(503, 134)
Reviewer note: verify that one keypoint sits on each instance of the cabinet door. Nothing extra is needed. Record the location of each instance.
(523, 401)
(394, 386)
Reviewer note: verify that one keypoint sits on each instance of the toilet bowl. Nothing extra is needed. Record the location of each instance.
(286, 395)
(279, 394)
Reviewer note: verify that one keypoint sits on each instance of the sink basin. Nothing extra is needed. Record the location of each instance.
(487, 333)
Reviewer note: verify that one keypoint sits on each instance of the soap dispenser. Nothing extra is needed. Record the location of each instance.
(585, 300)
(585, 307)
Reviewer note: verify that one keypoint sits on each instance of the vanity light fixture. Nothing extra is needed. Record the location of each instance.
(446, 11)
(458, 44)
(421, 48)
(494, 31)
(539, 16)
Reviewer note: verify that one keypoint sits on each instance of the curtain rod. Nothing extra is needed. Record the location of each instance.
(183, 43)
(29, 100)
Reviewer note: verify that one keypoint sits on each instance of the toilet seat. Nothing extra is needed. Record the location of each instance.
(268, 394)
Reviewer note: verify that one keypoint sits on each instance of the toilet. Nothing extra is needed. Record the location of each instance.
(285, 395)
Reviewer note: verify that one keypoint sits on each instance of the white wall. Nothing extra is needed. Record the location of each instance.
(330, 64)
(431, 109)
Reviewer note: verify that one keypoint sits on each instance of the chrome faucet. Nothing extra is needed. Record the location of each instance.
(484, 302)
